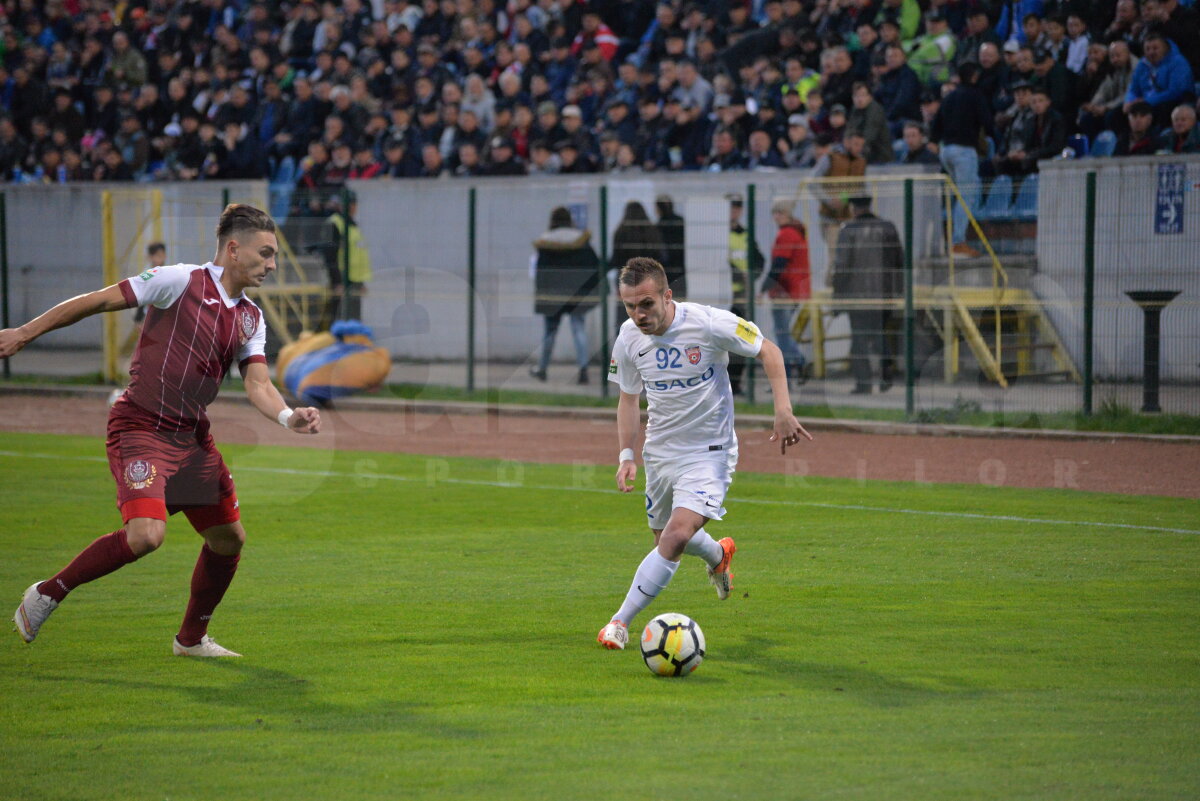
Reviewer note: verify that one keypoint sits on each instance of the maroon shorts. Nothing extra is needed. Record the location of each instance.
(161, 473)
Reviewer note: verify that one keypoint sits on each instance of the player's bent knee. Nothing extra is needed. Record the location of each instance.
(145, 534)
(226, 539)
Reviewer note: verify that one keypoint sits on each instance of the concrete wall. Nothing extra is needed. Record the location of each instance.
(55, 241)
(1129, 255)
(418, 236)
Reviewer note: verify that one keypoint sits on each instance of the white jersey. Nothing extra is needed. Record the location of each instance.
(685, 373)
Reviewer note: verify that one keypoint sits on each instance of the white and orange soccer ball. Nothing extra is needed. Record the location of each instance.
(672, 645)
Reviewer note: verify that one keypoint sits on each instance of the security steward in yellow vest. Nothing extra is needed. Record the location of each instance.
(745, 265)
(350, 273)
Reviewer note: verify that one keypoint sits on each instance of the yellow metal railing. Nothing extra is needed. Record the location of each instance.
(825, 189)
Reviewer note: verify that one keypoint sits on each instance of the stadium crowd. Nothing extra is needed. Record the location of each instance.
(310, 94)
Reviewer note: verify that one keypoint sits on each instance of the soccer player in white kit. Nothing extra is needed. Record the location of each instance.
(679, 354)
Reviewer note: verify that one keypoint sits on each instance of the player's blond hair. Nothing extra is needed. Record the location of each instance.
(640, 268)
(239, 218)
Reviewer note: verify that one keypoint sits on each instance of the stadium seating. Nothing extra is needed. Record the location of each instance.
(998, 205)
(1105, 144)
(1025, 206)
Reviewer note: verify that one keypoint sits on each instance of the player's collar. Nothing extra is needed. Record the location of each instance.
(216, 271)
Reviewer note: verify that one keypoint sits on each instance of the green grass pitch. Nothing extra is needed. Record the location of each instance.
(424, 628)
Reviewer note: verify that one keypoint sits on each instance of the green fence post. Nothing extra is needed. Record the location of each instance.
(345, 254)
(602, 290)
(750, 246)
(1089, 288)
(4, 294)
(471, 290)
(909, 373)
(224, 197)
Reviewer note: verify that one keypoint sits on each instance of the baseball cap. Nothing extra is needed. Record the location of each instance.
(173, 129)
(735, 199)
(1021, 85)
(568, 111)
(1012, 46)
(546, 107)
(1041, 54)
(500, 141)
(837, 108)
(798, 119)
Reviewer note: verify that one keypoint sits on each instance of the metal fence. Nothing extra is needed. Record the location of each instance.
(1029, 315)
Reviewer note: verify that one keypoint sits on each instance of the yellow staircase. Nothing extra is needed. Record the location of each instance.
(1006, 330)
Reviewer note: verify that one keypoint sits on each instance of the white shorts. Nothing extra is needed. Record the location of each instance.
(698, 485)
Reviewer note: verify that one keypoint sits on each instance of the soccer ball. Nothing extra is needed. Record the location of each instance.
(672, 645)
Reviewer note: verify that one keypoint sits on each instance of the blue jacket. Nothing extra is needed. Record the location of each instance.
(1168, 81)
(1010, 23)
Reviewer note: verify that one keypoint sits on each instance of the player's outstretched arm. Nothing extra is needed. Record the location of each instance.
(628, 423)
(787, 429)
(265, 398)
(66, 313)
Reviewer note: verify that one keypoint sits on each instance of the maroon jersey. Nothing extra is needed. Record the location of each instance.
(192, 333)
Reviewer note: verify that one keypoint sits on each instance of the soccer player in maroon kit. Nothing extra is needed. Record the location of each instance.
(159, 448)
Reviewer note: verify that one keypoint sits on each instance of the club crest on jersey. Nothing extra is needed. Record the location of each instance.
(693, 354)
(247, 326)
(612, 366)
(148, 274)
(139, 474)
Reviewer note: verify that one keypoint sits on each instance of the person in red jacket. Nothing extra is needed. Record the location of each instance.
(788, 283)
(594, 30)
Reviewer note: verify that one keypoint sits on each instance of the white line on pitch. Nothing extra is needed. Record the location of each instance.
(547, 487)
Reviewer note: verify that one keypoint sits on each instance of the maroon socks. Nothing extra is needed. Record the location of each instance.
(210, 579)
(106, 554)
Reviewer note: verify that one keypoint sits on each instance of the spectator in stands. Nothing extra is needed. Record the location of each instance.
(432, 165)
(1103, 109)
(1017, 124)
(797, 145)
(933, 54)
(1183, 136)
(1048, 134)
(978, 33)
(899, 88)
(916, 146)
(1052, 76)
(837, 77)
(502, 160)
(671, 232)
(905, 15)
(398, 161)
(760, 152)
(1162, 78)
(1125, 24)
(1078, 41)
(868, 118)
(844, 160)
(961, 122)
(1181, 22)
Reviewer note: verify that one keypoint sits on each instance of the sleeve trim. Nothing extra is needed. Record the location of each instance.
(128, 293)
(257, 358)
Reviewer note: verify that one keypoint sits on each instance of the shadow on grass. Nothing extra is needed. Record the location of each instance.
(870, 686)
(280, 699)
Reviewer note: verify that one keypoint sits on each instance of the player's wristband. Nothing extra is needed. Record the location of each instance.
(284, 416)
(626, 455)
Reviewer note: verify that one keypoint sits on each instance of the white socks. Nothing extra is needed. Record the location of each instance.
(652, 577)
(704, 546)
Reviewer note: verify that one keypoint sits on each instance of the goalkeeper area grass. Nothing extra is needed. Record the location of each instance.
(419, 627)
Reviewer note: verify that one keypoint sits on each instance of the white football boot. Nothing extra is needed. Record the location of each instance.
(614, 636)
(32, 612)
(207, 647)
